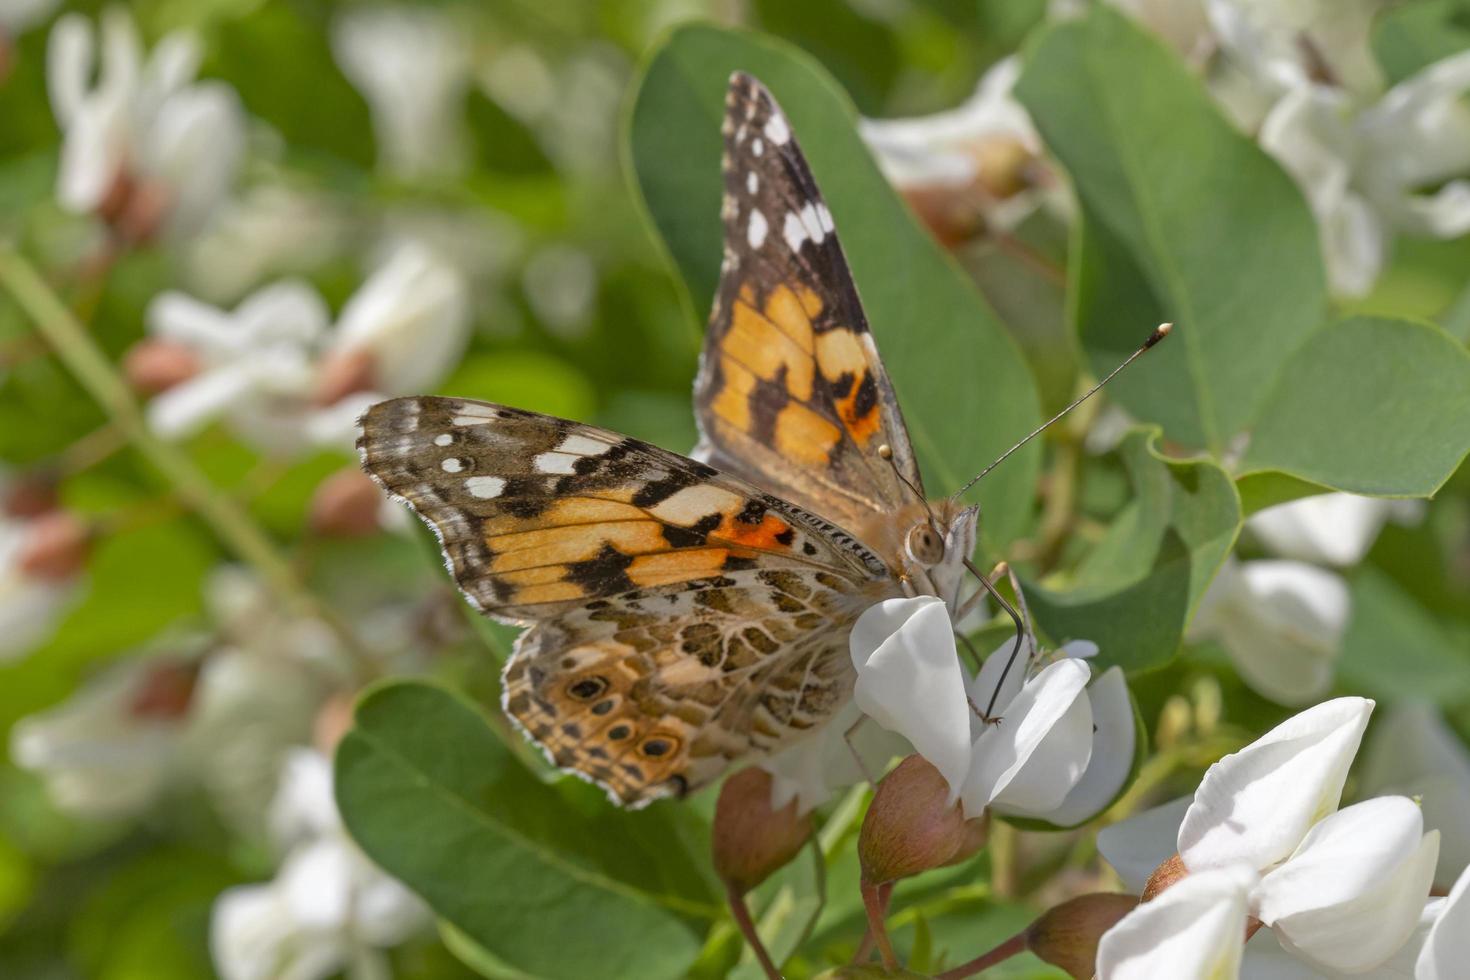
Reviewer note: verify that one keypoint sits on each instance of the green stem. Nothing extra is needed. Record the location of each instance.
(75, 347)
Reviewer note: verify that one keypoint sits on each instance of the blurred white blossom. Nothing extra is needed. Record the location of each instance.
(287, 382)
(146, 144)
(271, 229)
(35, 587)
(561, 284)
(328, 910)
(1282, 622)
(18, 16)
(116, 744)
(1328, 528)
(970, 168)
(412, 64)
(1364, 167)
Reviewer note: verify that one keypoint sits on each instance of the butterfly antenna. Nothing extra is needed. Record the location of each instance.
(1160, 332)
(885, 452)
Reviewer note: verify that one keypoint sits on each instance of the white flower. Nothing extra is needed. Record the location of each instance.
(1194, 929)
(116, 744)
(1328, 529)
(814, 767)
(411, 316)
(271, 229)
(1342, 890)
(1282, 623)
(1038, 761)
(1414, 753)
(30, 604)
(328, 910)
(251, 359)
(412, 64)
(1361, 169)
(146, 132)
(16, 16)
(983, 153)
(1446, 946)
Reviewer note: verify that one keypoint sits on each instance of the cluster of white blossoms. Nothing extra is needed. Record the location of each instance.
(43, 552)
(1282, 619)
(1298, 76)
(284, 377)
(1061, 752)
(1264, 846)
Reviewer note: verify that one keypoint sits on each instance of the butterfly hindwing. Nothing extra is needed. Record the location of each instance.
(791, 392)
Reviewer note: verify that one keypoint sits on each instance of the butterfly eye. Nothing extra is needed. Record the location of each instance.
(924, 545)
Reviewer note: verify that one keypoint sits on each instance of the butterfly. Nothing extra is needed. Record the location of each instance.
(688, 612)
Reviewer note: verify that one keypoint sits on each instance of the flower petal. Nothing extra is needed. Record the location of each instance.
(1447, 945)
(1330, 528)
(1193, 929)
(910, 682)
(1352, 893)
(1256, 805)
(1114, 737)
(1003, 750)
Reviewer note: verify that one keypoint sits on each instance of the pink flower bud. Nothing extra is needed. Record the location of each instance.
(343, 373)
(912, 826)
(155, 365)
(56, 547)
(30, 495)
(1066, 935)
(750, 839)
(165, 691)
(346, 505)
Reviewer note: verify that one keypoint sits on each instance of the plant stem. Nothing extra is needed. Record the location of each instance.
(741, 912)
(1011, 947)
(875, 901)
(75, 347)
(1003, 871)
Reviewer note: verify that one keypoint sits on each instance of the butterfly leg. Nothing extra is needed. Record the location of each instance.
(986, 715)
(856, 757)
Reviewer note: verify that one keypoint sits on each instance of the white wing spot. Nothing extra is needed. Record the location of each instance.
(813, 223)
(755, 234)
(777, 131)
(757, 147)
(485, 487)
(462, 420)
(793, 231)
(583, 445)
(555, 463)
(443, 439)
(824, 217)
(752, 182)
(451, 465)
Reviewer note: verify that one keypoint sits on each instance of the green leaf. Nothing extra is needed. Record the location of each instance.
(1134, 592)
(1415, 35)
(1368, 405)
(1394, 648)
(549, 880)
(965, 389)
(1184, 220)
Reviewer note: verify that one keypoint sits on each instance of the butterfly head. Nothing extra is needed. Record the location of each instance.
(936, 545)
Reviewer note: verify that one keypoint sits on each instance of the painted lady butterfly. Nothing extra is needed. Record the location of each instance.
(688, 612)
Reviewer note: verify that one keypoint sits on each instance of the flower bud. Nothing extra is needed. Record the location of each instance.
(30, 495)
(154, 365)
(1066, 935)
(750, 839)
(951, 212)
(346, 504)
(1004, 165)
(55, 548)
(343, 373)
(165, 690)
(912, 825)
(332, 721)
(1163, 877)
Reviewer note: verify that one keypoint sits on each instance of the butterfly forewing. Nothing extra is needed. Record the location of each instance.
(681, 616)
(791, 393)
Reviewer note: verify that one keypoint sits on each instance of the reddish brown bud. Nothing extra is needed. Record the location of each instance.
(332, 721)
(346, 504)
(343, 373)
(952, 213)
(750, 839)
(1164, 876)
(134, 208)
(56, 546)
(165, 690)
(155, 365)
(912, 826)
(1066, 935)
(1004, 165)
(30, 495)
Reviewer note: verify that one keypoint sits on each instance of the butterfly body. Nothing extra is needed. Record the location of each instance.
(687, 612)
